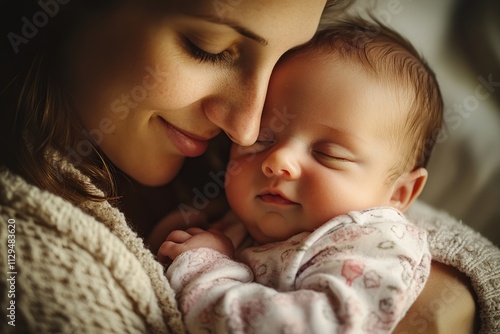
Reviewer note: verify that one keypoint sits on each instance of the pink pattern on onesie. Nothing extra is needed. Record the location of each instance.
(352, 269)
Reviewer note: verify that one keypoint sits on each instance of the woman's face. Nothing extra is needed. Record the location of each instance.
(155, 80)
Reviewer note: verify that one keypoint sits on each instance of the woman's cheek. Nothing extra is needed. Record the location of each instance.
(174, 87)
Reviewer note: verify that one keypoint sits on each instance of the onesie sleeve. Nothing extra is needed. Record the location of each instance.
(359, 273)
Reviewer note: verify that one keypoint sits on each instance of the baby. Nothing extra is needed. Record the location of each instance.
(347, 129)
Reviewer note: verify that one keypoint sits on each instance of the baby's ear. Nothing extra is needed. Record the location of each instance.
(407, 188)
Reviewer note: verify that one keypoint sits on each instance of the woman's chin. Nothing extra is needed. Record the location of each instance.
(157, 176)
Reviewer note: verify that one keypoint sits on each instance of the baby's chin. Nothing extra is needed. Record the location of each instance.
(271, 227)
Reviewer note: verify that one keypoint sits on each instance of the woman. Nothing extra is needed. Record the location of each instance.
(106, 103)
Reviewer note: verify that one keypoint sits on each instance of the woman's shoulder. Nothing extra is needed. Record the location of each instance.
(457, 245)
(70, 266)
(20, 198)
(449, 237)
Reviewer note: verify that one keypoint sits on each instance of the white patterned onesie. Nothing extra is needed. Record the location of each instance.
(358, 273)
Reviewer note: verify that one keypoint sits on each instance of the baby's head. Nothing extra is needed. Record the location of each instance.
(349, 123)
(391, 61)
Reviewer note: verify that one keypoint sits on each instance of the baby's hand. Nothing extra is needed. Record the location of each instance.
(180, 241)
(171, 222)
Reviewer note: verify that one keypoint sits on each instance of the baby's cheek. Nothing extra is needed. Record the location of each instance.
(237, 195)
(323, 208)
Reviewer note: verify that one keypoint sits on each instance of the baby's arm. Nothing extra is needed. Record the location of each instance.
(332, 280)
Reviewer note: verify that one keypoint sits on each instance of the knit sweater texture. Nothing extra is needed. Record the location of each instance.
(77, 269)
(82, 269)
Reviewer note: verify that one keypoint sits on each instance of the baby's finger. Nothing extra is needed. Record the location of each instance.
(167, 252)
(195, 230)
(179, 236)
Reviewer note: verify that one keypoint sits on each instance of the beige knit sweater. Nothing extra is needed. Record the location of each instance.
(79, 269)
(83, 270)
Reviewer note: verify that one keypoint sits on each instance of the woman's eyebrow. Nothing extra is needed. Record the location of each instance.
(243, 31)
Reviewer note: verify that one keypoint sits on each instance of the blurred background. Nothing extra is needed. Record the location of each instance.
(460, 39)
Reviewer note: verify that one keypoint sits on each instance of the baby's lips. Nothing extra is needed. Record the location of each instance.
(276, 199)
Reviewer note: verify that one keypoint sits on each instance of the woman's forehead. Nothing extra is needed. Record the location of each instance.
(260, 19)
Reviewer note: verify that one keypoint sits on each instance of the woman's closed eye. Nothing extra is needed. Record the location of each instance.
(228, 56)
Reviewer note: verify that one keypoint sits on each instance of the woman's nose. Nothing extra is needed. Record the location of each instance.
(281, 162)
(238, 108)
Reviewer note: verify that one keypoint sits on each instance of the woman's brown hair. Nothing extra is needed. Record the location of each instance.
(36, 119)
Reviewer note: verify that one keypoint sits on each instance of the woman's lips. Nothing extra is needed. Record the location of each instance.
(186, 143)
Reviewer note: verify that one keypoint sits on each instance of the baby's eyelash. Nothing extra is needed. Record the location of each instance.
(330, 157)
(223, 57)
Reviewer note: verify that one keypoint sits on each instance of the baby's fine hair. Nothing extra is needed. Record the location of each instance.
(390, 58)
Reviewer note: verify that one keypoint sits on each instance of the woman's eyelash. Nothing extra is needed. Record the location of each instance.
(203, 56)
